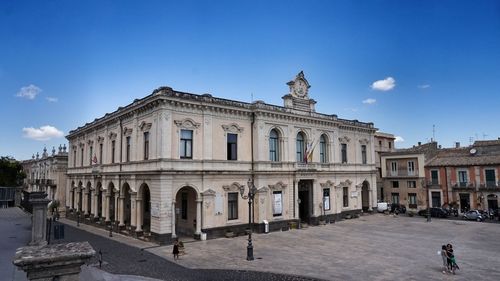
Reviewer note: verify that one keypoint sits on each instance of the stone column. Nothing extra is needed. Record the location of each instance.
(96, 204)
(133, 209)
(39, 223)
(116, 207)
(77, 200)
(106, 204)
(174, 235)
(138, 213)
(53, 262)
(198, 217)
(84, 203)
(92, 202)
(122, 210)
(370, 205)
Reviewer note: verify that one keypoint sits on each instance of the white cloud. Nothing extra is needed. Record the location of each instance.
(369, 101)
(52, 99)
(424, 86)
(43, 133)
(399, 139)
(384, 85)
(29, 92)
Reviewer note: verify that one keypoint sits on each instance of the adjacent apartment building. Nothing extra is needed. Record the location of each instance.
(467, 177)
(403, 175)
(384, 142)
(175, 163)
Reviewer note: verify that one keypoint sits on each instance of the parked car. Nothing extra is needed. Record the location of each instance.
(435, 212)
(398, 208)
(473, 215)
(485, 214)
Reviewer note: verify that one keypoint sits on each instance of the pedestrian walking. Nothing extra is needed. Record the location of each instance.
(175, 251)
(444, 256)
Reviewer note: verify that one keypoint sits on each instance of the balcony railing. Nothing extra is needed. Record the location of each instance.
(434, 184)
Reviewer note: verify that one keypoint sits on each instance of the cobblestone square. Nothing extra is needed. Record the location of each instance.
(376, 247)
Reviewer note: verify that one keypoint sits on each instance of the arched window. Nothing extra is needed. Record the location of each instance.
(274, 146)
(323, 155)
(300, 147)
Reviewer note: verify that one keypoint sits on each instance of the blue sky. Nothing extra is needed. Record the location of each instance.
(64, 63)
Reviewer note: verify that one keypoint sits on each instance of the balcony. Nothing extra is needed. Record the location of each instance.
(433, 184)
(490, 186)
(463, 186)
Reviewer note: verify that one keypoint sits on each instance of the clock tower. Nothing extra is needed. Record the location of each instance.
(298, 97)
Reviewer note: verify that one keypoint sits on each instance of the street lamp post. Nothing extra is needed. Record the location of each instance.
(250, 196)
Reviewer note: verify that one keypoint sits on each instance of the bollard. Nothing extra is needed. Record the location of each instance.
(100, 258)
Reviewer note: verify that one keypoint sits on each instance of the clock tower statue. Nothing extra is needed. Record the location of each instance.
(298, 98)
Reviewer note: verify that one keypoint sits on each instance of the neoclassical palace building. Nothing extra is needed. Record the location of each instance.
(175, 163)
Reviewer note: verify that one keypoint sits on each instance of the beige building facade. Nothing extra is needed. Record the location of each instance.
(47, 173)
(175, 163)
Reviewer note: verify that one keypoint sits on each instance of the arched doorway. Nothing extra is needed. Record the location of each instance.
(89, 198)
(112, 207)
(144, 206)
(126, 212)
(185, 211)
(492, 201)
(99, 200)
(365, 196)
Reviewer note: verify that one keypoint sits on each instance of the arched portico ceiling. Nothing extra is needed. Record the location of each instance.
(188, 186)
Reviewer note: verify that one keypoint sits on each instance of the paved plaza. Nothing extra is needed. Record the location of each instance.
(375, 247)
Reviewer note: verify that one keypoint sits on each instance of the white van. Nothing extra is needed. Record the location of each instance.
(382, 207)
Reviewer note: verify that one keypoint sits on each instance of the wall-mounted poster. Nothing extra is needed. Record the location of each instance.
(277, 203)
(155, 210)
(326, 199)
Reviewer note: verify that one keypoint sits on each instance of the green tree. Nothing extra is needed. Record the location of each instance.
(11, 172)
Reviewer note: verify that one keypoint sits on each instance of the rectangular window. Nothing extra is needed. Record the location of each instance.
(345, 196)
(395, 184)
(394, 168)
(411, 168)
(186, 144)
(81, 160)
(90, 154)
(412, 184)
(363, 154)
(273, 146)
(462, 178)
(344, 152)
(395, 198)
(127, 149)
(184, 205)
(277, 204)
(390, 145)
(489, 175)
(232, 206)
(412, 200)
(146, 145)
(232, 147)
(74, 158)
(434, 177)
(113, 144)
(326, 199)
(100, 153)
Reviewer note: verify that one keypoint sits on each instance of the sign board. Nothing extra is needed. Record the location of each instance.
(155, 210)
(277, 204)
(354, 194)
(218, 204)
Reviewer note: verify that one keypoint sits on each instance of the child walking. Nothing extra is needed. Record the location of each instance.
(175, 251)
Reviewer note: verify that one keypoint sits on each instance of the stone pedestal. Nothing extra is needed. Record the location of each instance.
(39, 224)
(53, 262)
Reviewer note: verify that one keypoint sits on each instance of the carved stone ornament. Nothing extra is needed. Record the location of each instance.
(187, 123)
(359, 186)
(82, 144)
(127, 131)
(344, 183)
(112, 135)
(263, 189)
(90, 142)
(100, 139)
(145, 126)
(299, 87)
(233, 187)
(344, 139)
(327, 184)
(364, 141)
(277, 187)
(232, 128)
(208, 193)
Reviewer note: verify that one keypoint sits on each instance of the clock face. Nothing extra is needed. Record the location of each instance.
(300, 88)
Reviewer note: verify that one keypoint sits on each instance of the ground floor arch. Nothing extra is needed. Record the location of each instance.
(187, 212)
(143, 205)
(365, 196)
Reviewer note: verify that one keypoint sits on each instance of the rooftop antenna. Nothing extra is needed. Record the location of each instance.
(471, 140)
(484, 136)
(251, 94)
(433, 133)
